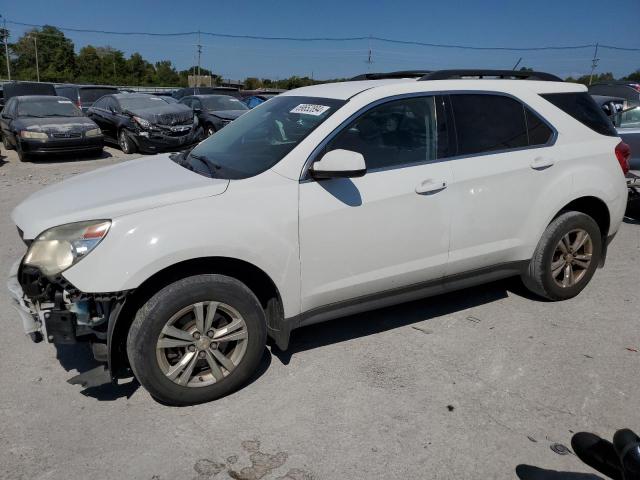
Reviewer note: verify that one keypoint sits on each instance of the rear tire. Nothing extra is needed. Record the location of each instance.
(170, 318)
(566, 257)
(126, 144)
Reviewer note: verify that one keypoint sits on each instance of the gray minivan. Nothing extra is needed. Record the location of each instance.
(84, 95)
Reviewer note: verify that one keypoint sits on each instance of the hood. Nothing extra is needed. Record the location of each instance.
(228, 114)
(165, 114)
(55, 124)
(110, 192)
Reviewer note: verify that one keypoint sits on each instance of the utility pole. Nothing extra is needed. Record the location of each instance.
(199, 53)
(594, 63)
(517, 63)
(370, 56)
(5, 36)
(35, 44)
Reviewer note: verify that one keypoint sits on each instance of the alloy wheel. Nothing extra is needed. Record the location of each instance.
(202, 344)
(571, 258)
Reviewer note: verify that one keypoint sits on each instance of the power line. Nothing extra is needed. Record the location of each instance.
(331, 39)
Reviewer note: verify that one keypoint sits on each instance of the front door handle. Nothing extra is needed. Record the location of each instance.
(542, 163)
(431, 185)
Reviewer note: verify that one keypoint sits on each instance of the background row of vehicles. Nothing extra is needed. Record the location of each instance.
(40, 119)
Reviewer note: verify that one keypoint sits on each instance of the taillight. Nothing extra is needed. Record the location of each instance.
(635, 86)
(623, 153)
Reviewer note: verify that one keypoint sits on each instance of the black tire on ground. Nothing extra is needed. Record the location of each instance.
(156, 312)
(538, 278)
(23, 157)
(126, 144)
(6, 144)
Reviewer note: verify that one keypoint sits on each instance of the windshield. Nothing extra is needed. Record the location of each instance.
(48, 107)
(136, 103)
(260, 138)
(222, 102)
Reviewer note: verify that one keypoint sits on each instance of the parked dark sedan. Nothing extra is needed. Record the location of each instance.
(37, 124)
(214, 111)
(145, 122)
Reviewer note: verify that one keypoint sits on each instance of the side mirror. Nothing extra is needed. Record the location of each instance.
(197, 110)
(339, 164)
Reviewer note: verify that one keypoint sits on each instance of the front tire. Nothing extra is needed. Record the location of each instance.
(6, 144)
(566, 257)
(197, 339)
(126, 144)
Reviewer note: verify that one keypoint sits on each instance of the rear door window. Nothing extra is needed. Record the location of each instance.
(584, 109)
(486, 123)
(89, 95)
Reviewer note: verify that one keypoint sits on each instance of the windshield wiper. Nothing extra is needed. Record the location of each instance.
(207, 163)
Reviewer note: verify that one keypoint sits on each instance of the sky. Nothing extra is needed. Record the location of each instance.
(481, 23)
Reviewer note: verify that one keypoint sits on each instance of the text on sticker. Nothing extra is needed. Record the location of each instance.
(310, 109)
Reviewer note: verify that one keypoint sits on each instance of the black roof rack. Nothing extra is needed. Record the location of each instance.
(399, 74)
(503, 74)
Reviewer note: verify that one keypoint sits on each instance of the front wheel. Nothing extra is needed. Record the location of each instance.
(126, 144)
(566, 257)
(197, 339)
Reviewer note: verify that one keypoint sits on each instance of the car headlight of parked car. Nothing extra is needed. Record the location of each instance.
(142, 122)
(61, 247)
(33, 135)
(94, 132)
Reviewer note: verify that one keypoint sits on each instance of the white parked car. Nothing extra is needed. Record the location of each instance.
(325, 201)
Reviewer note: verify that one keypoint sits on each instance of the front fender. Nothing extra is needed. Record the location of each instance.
(255, 222)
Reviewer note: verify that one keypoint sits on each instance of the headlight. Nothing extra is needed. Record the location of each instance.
(94, 132)
(142, 122)
(60, 247)
(30, 134)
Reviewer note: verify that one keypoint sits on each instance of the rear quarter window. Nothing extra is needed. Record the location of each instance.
(584, 109)
(90, 95)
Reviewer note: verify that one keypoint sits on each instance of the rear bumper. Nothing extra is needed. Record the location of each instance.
(158, 142)
(43, 147)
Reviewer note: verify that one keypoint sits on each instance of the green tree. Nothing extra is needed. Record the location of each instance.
(598, 77)
(166, 74)
(634, 76)
(140, 71)
(56, 57)
(252, 83)
(89, 65)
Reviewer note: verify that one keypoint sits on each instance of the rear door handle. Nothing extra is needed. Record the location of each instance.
(431, 185)
(542, 163)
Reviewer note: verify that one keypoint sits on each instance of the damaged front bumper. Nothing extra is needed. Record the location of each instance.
(55, 311)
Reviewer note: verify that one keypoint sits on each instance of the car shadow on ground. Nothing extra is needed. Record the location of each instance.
(79, 357)
(377, 321)
(529, 472)
(62, 158)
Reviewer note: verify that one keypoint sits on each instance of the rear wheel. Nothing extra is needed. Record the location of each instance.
(197, 339)
(126, 144)
(566, 257)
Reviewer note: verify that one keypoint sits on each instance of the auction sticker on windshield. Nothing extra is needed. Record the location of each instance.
(310, 109)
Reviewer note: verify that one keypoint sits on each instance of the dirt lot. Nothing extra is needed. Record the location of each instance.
(467, 385)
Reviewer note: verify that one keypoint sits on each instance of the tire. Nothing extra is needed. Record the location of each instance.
(152, 365)
(6, 144)
(126, 144)
(23, 157)
(556, 275)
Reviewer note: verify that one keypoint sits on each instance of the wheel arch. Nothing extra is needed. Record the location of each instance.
(252, 276)
(595, 207)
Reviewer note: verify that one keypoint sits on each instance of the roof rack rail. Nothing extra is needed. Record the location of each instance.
(503, 74)
(398, 74)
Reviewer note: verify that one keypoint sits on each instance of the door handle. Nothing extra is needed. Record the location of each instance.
(431, 185)
(541, 163)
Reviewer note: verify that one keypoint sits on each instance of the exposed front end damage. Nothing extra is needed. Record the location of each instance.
(55, 311)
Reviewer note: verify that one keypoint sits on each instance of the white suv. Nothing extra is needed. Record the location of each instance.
(322, 202)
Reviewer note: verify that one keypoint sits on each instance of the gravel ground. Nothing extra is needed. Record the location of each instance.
(467, 385)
